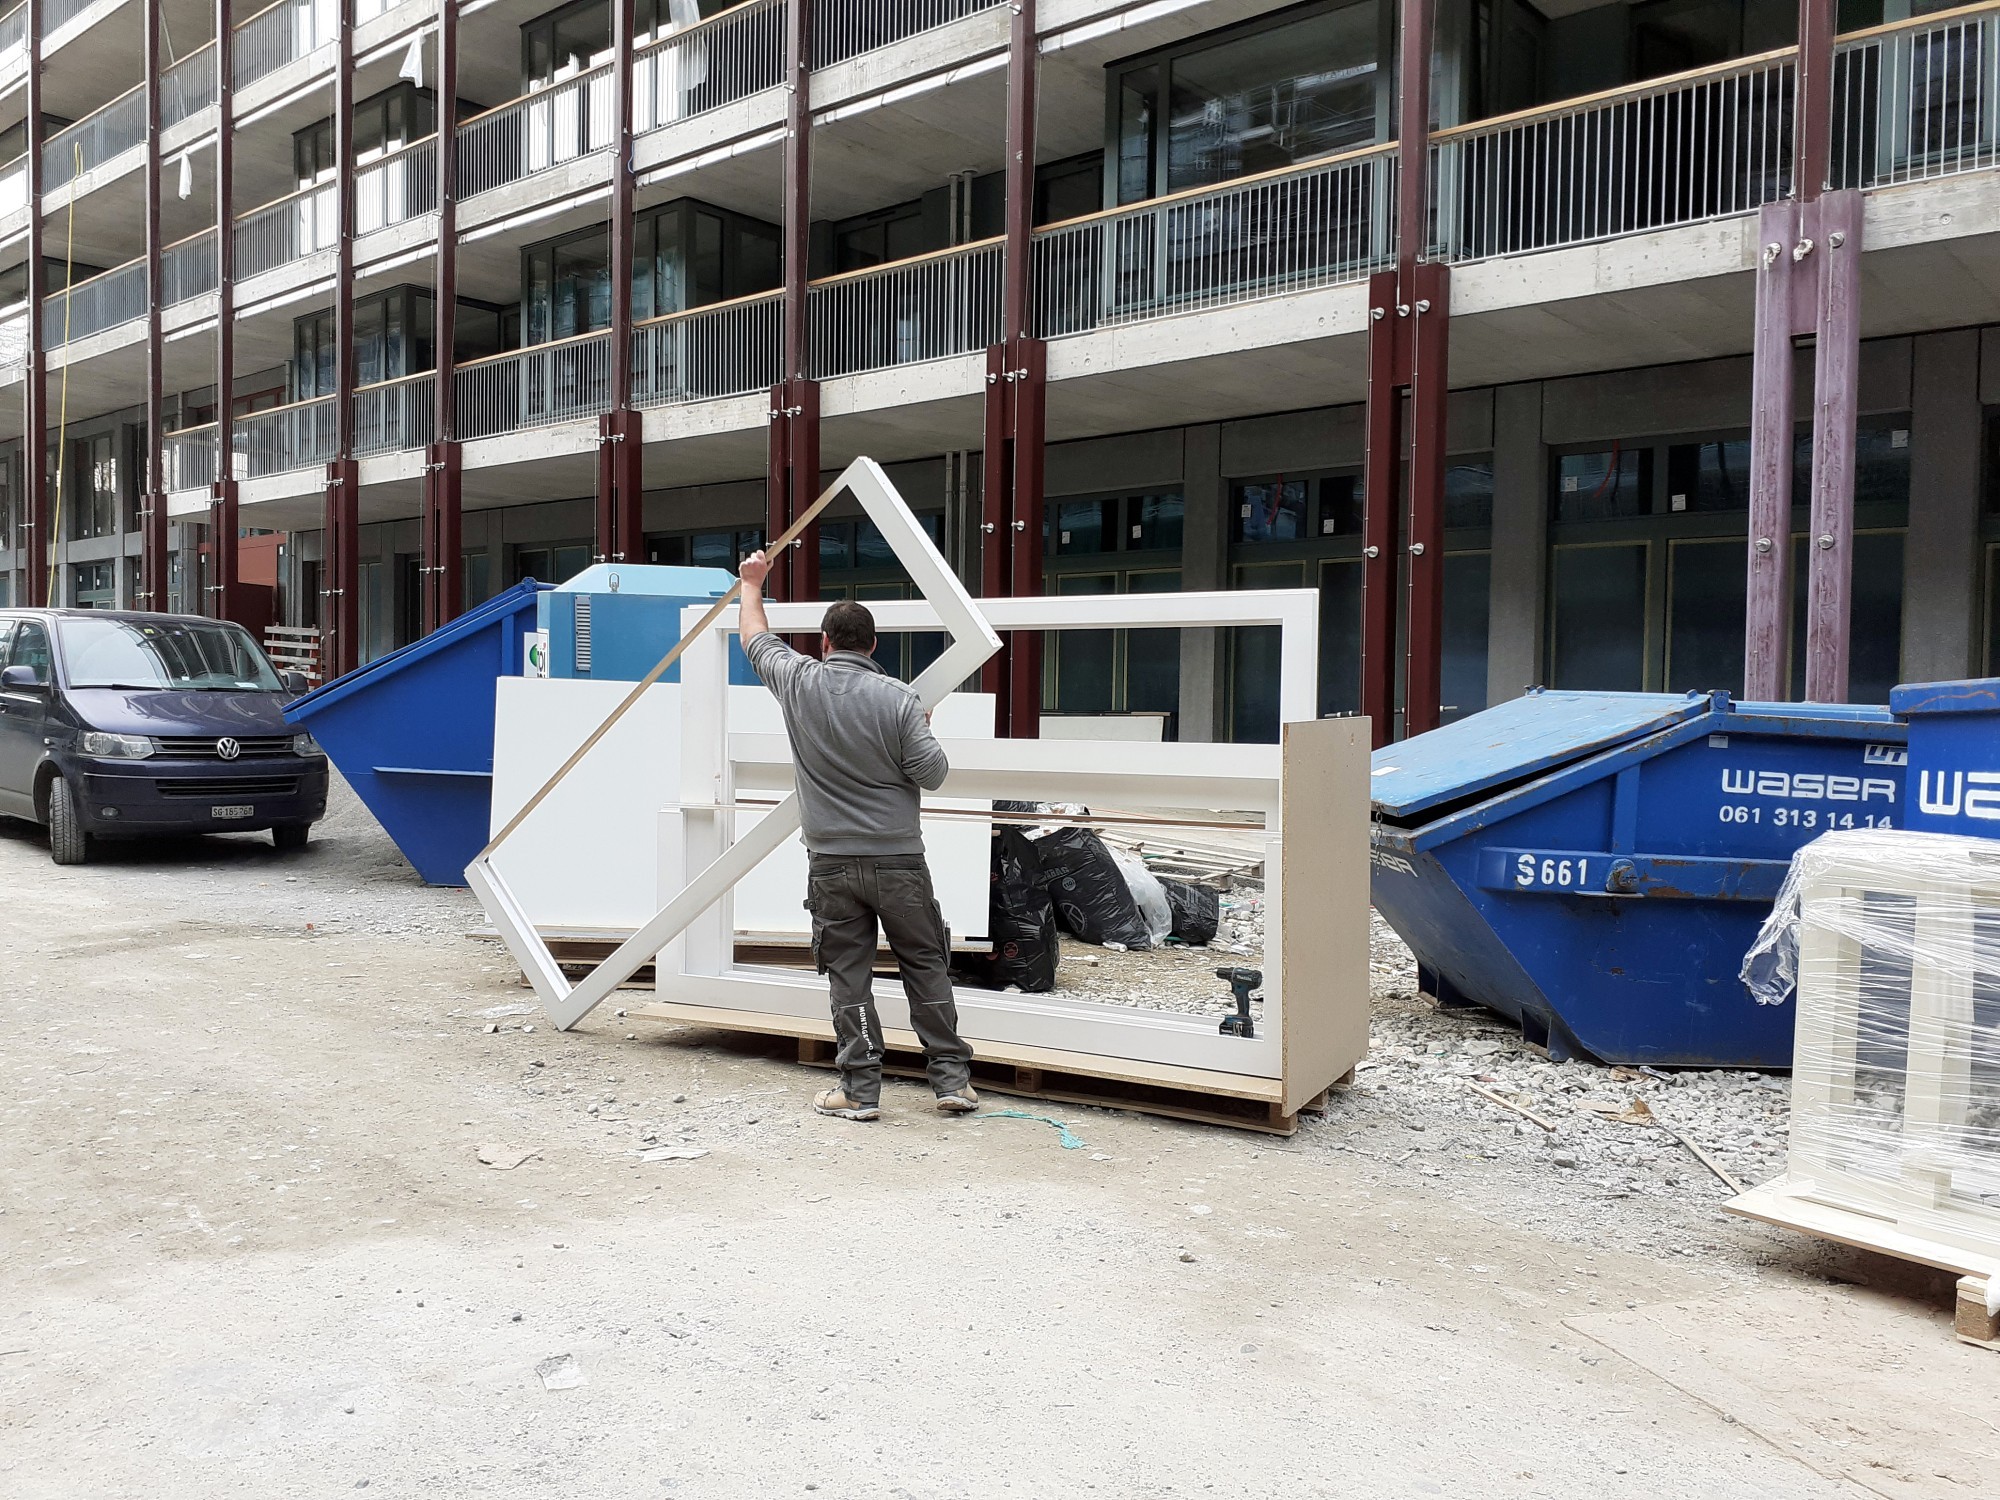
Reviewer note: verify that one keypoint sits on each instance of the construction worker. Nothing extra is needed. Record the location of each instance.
(862, 749)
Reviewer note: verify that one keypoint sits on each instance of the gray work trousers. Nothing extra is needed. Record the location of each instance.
(848, 895)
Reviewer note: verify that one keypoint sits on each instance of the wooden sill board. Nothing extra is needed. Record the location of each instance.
(1163, 1075)
(1772, 1204)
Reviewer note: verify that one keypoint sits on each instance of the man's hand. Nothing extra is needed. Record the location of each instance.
(754, 570)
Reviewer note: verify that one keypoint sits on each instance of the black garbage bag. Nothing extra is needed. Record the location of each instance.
(1091, 898)
(1022, 918)
(1196, 909)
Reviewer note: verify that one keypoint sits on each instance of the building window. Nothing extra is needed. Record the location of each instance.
(556, 564)
(1598, 486)
(1255, 98)
(94, 585)
(386, 123)
(93, 486)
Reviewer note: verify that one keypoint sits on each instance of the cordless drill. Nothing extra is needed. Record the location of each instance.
(1242, 982)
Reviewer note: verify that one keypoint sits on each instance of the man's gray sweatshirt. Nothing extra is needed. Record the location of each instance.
(860, 744)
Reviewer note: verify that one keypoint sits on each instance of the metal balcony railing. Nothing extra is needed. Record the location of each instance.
(535, 387)
(188, 268)
(14, 184)
(284, 438)
(729, 56)
(279, 34)
(531, 134)
(399, 186)
(95, 139)
(14, 34)
(190, 455)
(724, 349)
(395, 415)
(104, 301)
(56, 12)
(846, 28)
(294, 226)
(188, 87)
(927, 307)
(1679, 150)
(1916, 100)
(1324, 223)
(13, 336)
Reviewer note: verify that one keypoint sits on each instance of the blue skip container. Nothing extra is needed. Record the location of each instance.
(413, 731)
(1954, 780)
(1596, 865)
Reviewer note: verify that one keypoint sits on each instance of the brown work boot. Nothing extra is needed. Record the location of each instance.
(836, 1103)
(959, 1102)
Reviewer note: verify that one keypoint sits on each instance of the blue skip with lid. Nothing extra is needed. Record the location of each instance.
(1595, 865)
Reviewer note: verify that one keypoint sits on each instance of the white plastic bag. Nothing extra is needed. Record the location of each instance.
(1147, 892)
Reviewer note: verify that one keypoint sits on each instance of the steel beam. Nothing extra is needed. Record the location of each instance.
(1381, 506)
(340, 650)
(1423, 679)
(790, 486)
(1812, 123)
(38, 537)
(621, 455)
(152, 593)
(220, 586)
(443, 564)
(1767, 612)
(1836, 383)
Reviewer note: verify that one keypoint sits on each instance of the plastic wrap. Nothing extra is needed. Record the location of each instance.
(1147, 894)
(1894, 942)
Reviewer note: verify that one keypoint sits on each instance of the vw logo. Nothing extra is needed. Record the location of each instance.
(227, 748)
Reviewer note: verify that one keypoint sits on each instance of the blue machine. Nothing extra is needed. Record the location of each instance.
(413, 731)
(1595, 865)
(613, 622)
(1954, 778)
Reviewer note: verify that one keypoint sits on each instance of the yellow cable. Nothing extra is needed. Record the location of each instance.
(62, 412)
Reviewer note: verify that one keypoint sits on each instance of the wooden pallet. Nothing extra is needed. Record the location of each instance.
(1208, 1098)
(1772, 1204)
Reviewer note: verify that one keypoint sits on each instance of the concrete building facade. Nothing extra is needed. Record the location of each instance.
(438, 384)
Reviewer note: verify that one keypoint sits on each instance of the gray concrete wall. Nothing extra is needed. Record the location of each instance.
(1942, 557)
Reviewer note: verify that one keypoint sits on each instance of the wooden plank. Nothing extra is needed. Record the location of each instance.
(1050, 1060)
(1323, 919)
(1773, 1203)
(1973, 1323)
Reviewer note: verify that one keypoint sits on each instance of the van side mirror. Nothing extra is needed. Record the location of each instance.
(21, 679)
(294, 682)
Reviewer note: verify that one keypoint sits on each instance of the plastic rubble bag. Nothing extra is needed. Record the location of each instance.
(1196, 911)
(1086, 885)
(1148, 894)
(1026, 947)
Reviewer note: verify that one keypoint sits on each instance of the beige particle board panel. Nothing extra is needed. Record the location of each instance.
(1324, 932)
(1786, 1205)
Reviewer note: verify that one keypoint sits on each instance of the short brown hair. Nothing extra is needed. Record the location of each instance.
(849, 627)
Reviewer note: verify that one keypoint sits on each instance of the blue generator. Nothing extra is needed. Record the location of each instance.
(613, 622)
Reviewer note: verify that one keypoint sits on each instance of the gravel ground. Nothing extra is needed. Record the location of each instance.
(1410, 1113)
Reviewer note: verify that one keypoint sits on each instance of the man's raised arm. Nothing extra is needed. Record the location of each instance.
(754, 622)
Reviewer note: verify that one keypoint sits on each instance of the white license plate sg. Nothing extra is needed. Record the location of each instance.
(233, 810)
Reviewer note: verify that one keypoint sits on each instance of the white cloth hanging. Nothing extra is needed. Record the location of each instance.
(413, 62)
(187, 175)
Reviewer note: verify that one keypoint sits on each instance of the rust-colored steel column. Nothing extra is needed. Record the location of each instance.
(152, 591)
(220, 586)
(1423, 680)
(793, 480)
(1409, 323)
(1836, 411)
(340, 648)
(1812, 119)
(1016, 416)
(1381, 506)
(37, 536)
(1767, 612)
(444, 530)
(621, 462)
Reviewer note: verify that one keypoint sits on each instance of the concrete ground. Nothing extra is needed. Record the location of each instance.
(250, 1248)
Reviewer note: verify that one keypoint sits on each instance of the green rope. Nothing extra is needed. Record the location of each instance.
(1070, 1142)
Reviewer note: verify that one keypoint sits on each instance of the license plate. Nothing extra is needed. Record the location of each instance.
(233, 810)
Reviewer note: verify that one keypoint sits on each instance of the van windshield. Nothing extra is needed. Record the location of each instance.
(190, 655)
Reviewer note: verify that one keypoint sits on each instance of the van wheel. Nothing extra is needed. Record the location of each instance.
(291, 837)
(68, 843)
